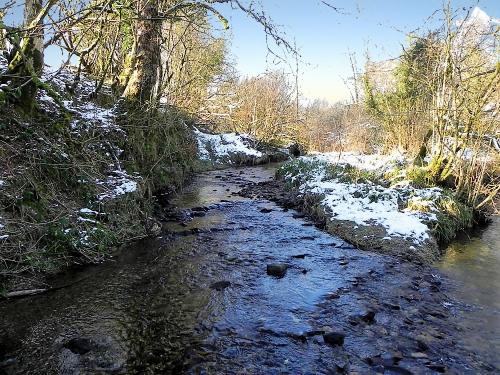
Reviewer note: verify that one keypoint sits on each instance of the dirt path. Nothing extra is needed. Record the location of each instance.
(200, 300)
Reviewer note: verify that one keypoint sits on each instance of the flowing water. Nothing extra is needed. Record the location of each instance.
(198, 300)
(472, 264)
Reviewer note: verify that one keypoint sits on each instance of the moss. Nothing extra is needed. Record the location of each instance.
(453, 216)
(159, 147)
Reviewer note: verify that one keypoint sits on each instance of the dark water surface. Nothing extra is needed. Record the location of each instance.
(198, 300)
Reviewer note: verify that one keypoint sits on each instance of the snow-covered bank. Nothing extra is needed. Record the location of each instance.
(358, 203)
(235, 149)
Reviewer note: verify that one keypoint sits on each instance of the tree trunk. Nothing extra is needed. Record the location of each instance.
(143, 83)
(422, 153)
(33, 55)
(26, 64)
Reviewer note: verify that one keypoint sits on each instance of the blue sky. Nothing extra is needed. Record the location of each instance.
(325, 37)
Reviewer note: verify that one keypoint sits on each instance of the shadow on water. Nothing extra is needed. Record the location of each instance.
(198, 300)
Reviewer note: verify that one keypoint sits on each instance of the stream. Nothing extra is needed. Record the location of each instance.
(198, 300)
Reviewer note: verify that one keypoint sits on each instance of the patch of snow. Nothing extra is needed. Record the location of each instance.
(368, 203)
(374, 162)
(2, 183)
(117, 184)
(220, 146)
(85, 220)
(3, 62)
(88, 211)
(87, 115)
(3, 236)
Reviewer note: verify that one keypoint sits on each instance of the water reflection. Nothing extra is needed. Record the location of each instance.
(474, 264)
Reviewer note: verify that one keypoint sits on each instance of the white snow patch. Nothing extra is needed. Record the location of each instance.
(374, 162)
(85, 220)
(3, 236)
(119, 183)
(3, 62)
(368, 203)
(224, 145)
(88, 211)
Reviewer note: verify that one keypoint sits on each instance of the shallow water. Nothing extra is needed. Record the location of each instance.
(198, 300)
(473, 265)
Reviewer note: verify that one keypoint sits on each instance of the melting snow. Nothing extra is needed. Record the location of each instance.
(3, 62)
(117, 184)
(88, 211)
(374, 162)
(3, 236)
(224, 145)
(85, 220)
(368, 203)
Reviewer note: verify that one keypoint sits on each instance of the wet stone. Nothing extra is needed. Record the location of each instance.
(308, 238)
(333, 295)
(379, 361)
(418, 355)
(79, 345)
(392, 306)
(277, 269)
(437, 367)
(220, 285)
(396, 370)
(315, 333)
(334, 338)
(266, 210)
(368, 316)
(199, 209)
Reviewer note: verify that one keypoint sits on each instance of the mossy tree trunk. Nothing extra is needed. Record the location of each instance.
(144, 79)
(27, 62)
(33, 56)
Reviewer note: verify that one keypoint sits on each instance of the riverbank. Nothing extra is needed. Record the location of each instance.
(369, 201)
(199, 299)
(82, 177)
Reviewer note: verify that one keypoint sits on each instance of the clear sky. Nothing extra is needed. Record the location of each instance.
(325, 37)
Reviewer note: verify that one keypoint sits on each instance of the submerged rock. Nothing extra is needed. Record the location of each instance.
(277, 269)
(334, 338)
(79, 345)
(299, 256)
(220, 285)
